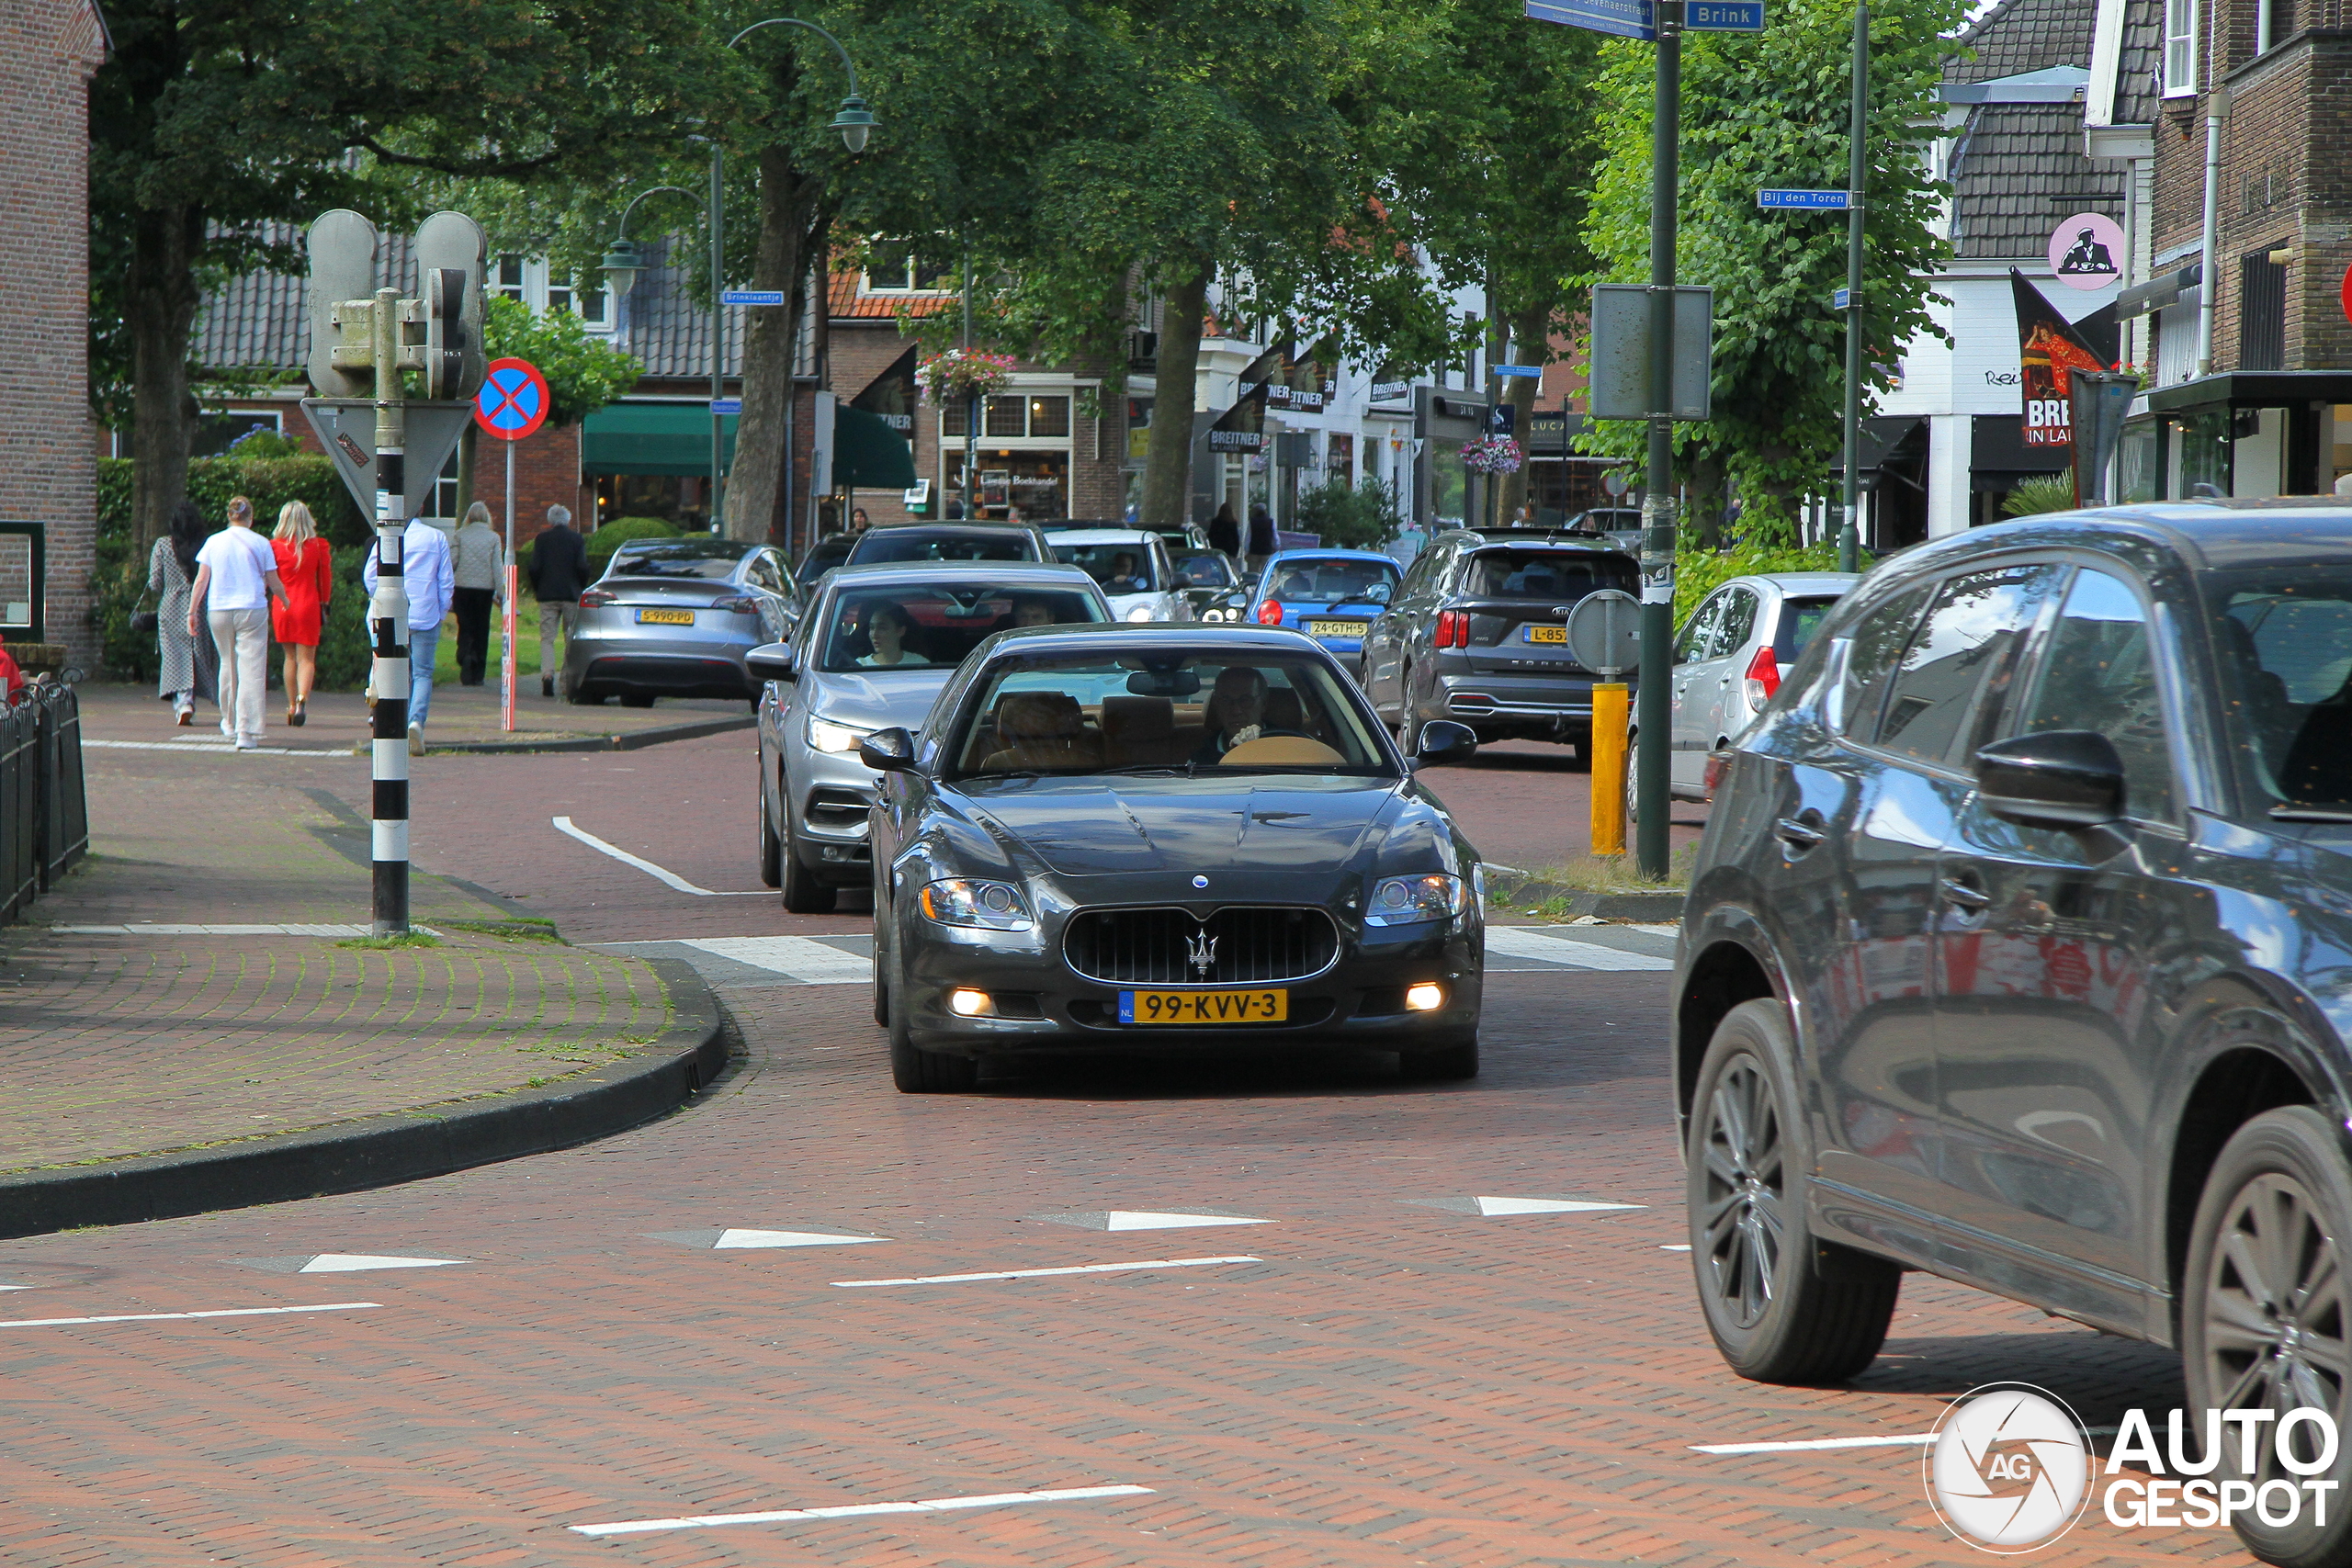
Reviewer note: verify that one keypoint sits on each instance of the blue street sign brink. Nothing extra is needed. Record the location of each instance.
(1534, 371)
(1839, 301)
(1722, 16)
(1806, 200)
(751, 297)
(726, 405)
(1626, 18)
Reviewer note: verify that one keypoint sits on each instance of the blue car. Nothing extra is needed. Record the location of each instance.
(1331, 595)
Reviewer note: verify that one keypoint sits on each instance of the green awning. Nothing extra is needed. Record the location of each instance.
(654, 438)
(868, 453)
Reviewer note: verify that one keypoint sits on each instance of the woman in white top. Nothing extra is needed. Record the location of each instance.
(885, 628)
(236, 577)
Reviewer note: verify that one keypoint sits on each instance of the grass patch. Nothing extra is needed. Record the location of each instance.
(1601, 874)
(380, 943)
(521, 928)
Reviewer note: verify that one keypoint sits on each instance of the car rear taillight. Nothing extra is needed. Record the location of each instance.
(1452, 628)
(1270, 613)
(1763, 676)
(741, 605)
(1718, 763)
(596, 598)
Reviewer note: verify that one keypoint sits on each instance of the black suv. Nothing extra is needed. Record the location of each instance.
(2019, 951)
(1477, 633)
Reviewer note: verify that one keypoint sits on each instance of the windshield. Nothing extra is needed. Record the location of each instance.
(1099, 713)
(2285, 642)
(1210, 570)
(920, 544)
(1120, 569)
(1799, 618)
(915, 626)
(1333, 581)
(1558, 577)
(711, 560)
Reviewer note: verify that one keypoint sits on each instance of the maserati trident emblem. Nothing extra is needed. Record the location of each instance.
(1202, 951)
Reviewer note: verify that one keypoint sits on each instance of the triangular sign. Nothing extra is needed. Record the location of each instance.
(346, 427)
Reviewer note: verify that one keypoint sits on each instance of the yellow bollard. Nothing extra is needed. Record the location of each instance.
(1610, 701)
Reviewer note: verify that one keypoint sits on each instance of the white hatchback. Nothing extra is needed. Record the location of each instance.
(1131, 567)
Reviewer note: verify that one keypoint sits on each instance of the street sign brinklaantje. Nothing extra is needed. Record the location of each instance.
(1638, 18)
(513, 400)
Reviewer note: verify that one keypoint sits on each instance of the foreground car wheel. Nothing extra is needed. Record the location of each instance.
(581, 699)
(916, 1071)
(1782, 1307)
(771, 849)
(803, 892)
(1447, 1064)
(636, 700)
(2264, 1321)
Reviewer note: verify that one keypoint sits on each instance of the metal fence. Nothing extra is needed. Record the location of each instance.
(44, 815)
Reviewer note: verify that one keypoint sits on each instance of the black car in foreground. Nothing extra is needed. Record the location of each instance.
(2019, 951)
(1144, 838)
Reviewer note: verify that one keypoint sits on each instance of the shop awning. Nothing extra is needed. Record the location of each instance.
(868, 453)
(2254, 389)
(654, 438)
(1881, 434)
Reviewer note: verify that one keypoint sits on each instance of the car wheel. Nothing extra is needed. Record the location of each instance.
(917, 1071)
(803, 892)
(584, 699)
(881, 993)
(1782, 1306)
(1580, 754)
(2266, 1318)
(1446, 1064)
(1633, 781)
(636, 700)
(1408, 732)
(771, 847)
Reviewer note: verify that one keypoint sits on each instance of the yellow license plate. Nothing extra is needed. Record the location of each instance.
(1547, 634)
(665, 618)
(1203, 1007)
(1335, 628)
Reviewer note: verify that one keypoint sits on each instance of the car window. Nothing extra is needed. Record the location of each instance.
(1738, 623)
(1697, 640)
(1876, 642)
(919, 624)
(711, 560)
(1558, 577)
(2099, 674)
(881, 545)
(1329, 581)
(1416, 576)
(1120, 569)
(1799, 618)
(2286, 651)
(1208, 570)
(1970, 631)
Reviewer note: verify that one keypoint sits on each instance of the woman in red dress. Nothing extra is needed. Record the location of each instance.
(306, 564)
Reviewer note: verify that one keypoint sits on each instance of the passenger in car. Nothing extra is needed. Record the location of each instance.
(1033, 613)
(886, 626)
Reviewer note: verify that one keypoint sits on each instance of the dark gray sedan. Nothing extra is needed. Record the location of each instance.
(673, 618)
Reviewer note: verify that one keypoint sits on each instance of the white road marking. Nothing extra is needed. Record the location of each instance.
(145, 928)
(357, 1262)
(734, 1238)
(660, 873)
(856, 1510)
(1547, 1206)
(1676, 1247)
(179, 1317)
(1145, 1220)
(1045, 1274)
(797, 957)
(217, 746)
(1522, 942)
(1910, 1440)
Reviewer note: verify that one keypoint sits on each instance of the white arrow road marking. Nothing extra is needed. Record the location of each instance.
(1145, 1220)
(179, 1317)
(1909, 1440)
(856, 1510)
(359, 1262)
(1547, 1206)
(660, 873)
(1046, 1273)
(733, 1238)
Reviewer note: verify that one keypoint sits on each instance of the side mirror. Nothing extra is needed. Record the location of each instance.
(2060, 778)
(1444, 741)
(1378, 593)
(888, 751)
(772, 661)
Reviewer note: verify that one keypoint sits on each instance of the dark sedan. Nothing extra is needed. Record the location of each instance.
(1151, 837)
(947, 541)
(675, 619)
(2017, 952)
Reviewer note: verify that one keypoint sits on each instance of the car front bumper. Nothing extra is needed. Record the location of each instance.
(831, 793)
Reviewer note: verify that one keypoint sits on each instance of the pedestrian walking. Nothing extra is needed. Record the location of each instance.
(478, 571)
(558, 574)
(858, 520)
(182, 674)
(1225, 531)
(236, 577)
(1262, 537)
(306, 565)
(424, 575)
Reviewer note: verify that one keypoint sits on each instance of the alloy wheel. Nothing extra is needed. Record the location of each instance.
(1742, 1214)
(2275, 1311)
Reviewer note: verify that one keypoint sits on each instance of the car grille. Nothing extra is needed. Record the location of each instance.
(1254, 946)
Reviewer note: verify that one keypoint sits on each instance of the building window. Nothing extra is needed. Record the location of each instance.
(1022, 416)
(1050, 416)
(507, 278)
(445, 490)
(524, 280)
(1004, 417)
(897, 267)
(2274, 24)
(2180, 48)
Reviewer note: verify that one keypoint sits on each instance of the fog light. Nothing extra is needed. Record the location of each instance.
(972, 1004)
(1424, 998)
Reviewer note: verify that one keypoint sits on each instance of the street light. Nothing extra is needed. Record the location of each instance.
(622, 263)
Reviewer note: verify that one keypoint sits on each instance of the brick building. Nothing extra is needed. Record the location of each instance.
(49, 49)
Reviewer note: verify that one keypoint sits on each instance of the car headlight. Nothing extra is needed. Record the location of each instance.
(827, 736)
(992, 906)
(1407, 900)
(1140, 613)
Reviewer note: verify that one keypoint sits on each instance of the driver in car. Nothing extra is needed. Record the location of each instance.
(1123, 575)
(1033, 613)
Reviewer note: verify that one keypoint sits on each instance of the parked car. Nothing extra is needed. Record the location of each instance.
(947, 541)
(675, 619)
(2015, 954)
(1477, 633)
(1211, 582)
(1130, 566)
(1728, 658)
(1071, 854)
(1331, 595)
(846, 676)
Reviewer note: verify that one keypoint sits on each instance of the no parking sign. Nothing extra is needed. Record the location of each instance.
(513, 400)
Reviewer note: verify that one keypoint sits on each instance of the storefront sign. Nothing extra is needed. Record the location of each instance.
(2049, 350)
(892, 395)
(2087, 250)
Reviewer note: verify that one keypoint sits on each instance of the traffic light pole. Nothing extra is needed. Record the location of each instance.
(388, 626)
(1849, 544)
(1652, 716)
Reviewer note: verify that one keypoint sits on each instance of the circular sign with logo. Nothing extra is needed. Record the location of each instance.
(2010, 1468)
(2087, 250)
(1604, 631)
(513, 400)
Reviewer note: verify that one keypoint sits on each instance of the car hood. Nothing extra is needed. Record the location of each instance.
(875, 702)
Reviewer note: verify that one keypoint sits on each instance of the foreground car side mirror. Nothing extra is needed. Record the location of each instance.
(887, 750)
(772, 661)
(2060, 778)
(1444, 741)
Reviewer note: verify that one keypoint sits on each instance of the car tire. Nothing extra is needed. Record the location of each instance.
(584, 699)
(1445, 1063)
(881, 993)
(1633, 781)
(803, 892)
(1782, 1306)
(917, 1071)
(1409, 733)
(1580, 754)
(771, 849)
(636, 700)
(2282, 1195)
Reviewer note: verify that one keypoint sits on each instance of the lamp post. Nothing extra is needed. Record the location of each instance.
(622, 263)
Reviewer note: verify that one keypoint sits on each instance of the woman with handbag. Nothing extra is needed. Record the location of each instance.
(171, 572)
(306, 564)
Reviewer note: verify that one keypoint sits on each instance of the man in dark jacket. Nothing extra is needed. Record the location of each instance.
(1262, 537)
(1225, 531)
(559, 571)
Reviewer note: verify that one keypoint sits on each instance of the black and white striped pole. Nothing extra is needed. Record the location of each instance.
(387, 626)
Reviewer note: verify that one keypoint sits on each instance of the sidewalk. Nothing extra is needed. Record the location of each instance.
(129, 1030)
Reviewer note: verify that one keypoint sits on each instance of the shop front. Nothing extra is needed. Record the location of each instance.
(2240, 433)
(1021, 460)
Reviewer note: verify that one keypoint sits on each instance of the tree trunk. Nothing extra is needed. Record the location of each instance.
(1702, 523)
(1530, 345)
(162, 301)
(1168, 467)
(754, 493)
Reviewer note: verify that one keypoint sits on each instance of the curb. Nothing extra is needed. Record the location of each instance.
(1647, 907)
(635, 741)
(381, 1151)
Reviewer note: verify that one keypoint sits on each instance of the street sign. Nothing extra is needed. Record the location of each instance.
(1806, 200)
(1534, 371)
(726, 405)
(1722, 16)
(1841, 298)
(751, 297)
(1614, 481)
(2087, 250)
(514, 400)
(346, 428)
(1620, 369)
(1605, 632)
(343, 266)
(1625, 18)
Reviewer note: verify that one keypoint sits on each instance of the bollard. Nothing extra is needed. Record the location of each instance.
(1609, 702)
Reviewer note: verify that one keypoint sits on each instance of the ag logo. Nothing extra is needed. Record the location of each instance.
(2008, 1470)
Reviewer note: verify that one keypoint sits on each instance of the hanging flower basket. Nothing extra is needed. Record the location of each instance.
(1492, 454)
(964, 373)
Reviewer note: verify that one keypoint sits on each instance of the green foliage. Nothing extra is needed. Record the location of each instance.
(1698, 573)
(1362, 517)
(584, 371)
(2052, 493)
(263, 442)
(611, 537)
(1773, 111)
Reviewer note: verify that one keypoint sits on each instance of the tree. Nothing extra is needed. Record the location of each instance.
(1773, 111)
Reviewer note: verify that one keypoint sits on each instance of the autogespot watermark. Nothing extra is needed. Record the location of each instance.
(2011, 1469)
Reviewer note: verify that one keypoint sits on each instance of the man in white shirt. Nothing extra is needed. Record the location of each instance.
(425, 575)
(236, 574)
